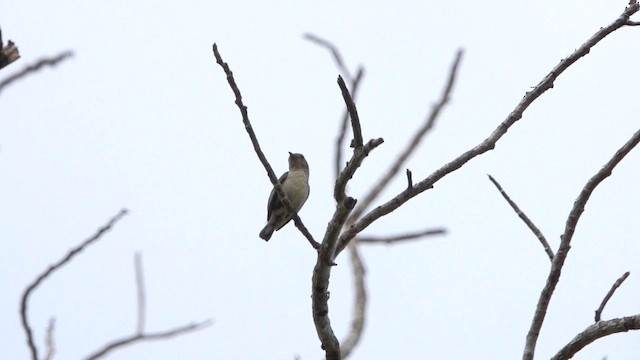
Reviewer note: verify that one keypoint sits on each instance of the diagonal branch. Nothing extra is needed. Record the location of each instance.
(606, 299)
(52, 268)
(412, 145)
(565, 244)
(258, 150)
(30, 69)
(360, 302)
(342, 132)
(525, 218)
(595, 332)
(342, 67)
(490, 142)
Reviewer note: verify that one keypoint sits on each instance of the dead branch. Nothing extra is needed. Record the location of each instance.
(342, 132)
(70, 255)
(412, 145)
(160, 335)
(565, 243)
(525, 218)
(30, 69)
(258, 150)
(606, 299)
(140, 334)
(50, 343)
(490, 142)
(320, 280)
(402, 237)
(595, 332)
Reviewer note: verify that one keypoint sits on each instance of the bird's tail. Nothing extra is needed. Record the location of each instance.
(266, 232)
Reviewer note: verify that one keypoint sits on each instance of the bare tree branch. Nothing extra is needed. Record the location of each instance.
(320, 280)
(50, 343)
(256, 147)
(70, 255)
(160, 335)
(141, 298)
(565, 244)
(342, 132)
(595, 332)
(359, 304)
(525, 218)
(353, 113)
(140, 334)
(30, 69)
(490, 142)
(402, 237)
(342, 67)
(356, 160)
(412, 145)
(606, 299)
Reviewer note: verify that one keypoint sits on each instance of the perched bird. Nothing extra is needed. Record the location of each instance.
(295, 183)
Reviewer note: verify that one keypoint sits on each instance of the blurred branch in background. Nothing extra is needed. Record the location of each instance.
(140, 334)
(35, 67)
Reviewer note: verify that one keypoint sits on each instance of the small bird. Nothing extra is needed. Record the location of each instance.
(295, 183)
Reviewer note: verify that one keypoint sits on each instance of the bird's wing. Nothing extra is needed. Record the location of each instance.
(274, 200)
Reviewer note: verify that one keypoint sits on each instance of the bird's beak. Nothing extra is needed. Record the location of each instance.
(290, 153)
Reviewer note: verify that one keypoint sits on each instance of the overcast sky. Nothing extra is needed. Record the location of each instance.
(142, 118)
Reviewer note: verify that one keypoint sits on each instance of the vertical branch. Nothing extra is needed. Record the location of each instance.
(137, 262)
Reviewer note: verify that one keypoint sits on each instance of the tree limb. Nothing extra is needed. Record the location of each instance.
(565, 244)
(401, 237)
(595, 332)
(256, 147)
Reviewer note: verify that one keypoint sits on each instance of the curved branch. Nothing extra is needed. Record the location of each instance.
(595, 332)
(565, 244)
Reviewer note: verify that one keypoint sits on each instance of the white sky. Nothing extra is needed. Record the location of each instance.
(143, 118)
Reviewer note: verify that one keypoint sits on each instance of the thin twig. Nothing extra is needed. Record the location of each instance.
(35, 67)
(50, 348)
(412, 145)
(353, 114)
(256, 147)
(160, 335)
(320, 280)
(595, 332)
(141, 298)
(52, 268)
(487, 144)
(359, 304)
(402, 237)
(409, 179)
(606, 299)
(525, 218)
(565, 244)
